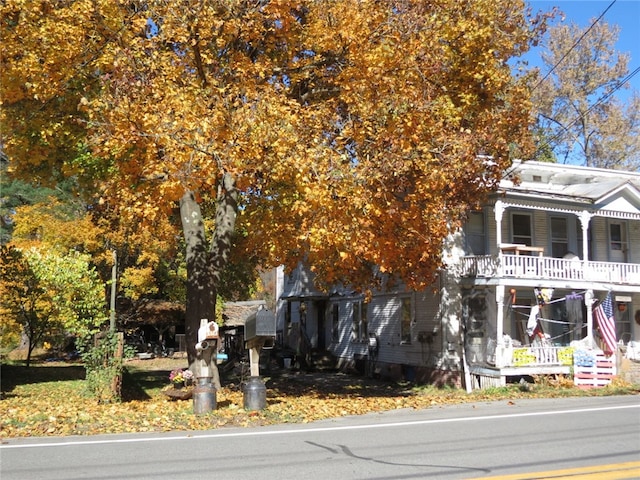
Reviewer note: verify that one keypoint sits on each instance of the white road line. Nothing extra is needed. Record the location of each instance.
(193, 435)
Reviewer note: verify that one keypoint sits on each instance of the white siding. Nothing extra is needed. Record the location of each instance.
(385, 322)
(634, 242)
(345, 348)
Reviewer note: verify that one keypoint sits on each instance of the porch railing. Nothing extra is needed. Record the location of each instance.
(534, 267)
(538, 355)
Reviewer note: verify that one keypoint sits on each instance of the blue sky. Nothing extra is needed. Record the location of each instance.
(624, 13)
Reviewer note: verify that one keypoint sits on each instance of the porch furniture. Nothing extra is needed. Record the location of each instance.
(527, 264)
(518, 248)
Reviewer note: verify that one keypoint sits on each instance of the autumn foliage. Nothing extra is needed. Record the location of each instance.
(353, 135)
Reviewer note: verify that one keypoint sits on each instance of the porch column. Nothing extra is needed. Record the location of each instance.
(499, 209)
(585, 218)
(588, 301)
(500, 325)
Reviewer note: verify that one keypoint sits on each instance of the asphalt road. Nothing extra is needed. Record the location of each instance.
(551, 437)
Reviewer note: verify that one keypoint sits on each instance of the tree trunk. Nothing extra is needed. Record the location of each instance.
(201, 288)
(226, 212)
(205, 265)
(31, 334)
(116, 381)
(29, 351)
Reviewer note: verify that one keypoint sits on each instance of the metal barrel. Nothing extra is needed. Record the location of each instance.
(204, 396)
(255, 394)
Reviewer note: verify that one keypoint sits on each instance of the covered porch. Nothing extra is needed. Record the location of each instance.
(502, 294)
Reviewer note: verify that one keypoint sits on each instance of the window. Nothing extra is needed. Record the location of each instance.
(615, 230)
(359, 322)
(405, 320)
(355, 321)
(559, 237)
(335, 323)
(475, 234)
(617, 237)
(522, 231)
(618, 246)
(580, 243)
(287, 314)
(622, 314)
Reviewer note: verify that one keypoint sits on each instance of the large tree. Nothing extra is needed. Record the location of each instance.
(581, 116)
(350, 134)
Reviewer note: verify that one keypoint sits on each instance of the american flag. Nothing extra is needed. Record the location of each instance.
(603, 314)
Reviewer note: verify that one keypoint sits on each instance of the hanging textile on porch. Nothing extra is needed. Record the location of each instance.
(536, 323)
(603, 313)
(574, 315)
(532, 324)
(543, 295)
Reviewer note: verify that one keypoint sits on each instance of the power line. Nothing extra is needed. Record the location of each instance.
(604, 98)
(616, 88)
(600, 101)
(575, 44)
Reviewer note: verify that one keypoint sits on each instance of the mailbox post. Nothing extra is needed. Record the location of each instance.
(259, 333)
(204, 393)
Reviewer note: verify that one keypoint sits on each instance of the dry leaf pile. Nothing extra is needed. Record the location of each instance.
(58, 408)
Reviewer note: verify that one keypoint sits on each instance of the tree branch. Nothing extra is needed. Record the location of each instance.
(198, 57)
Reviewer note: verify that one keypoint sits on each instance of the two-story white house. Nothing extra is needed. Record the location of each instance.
(554, 237)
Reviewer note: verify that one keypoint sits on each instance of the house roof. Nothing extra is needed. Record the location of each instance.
(159, 313)
(599, 188)
(300, 285)
(235, 314)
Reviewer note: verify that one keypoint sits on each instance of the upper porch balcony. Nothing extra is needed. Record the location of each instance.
(535, 266)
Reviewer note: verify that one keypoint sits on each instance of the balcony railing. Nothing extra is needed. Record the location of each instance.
(535, 267)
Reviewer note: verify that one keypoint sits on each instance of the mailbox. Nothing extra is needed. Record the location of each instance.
(263, 324)
(207, 330)
(207, 335)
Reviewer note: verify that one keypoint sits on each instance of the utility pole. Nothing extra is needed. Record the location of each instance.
(112, 306)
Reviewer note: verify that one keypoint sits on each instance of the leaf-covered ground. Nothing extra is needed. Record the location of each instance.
(49, 400)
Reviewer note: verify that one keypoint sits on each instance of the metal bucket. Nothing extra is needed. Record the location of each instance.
(255, 394)
(204, 396)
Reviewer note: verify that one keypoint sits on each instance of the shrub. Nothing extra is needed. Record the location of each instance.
(103, 363)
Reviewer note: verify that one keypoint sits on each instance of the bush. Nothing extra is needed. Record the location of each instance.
(103, 364)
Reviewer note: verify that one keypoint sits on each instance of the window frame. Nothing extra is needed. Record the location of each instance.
(406, 315)
(556, 240)
(359, 321)
(620, 239)
(520, 236)
(335, 322)
(479, 237)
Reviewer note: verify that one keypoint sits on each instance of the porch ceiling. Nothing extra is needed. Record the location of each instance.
(571, 210)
